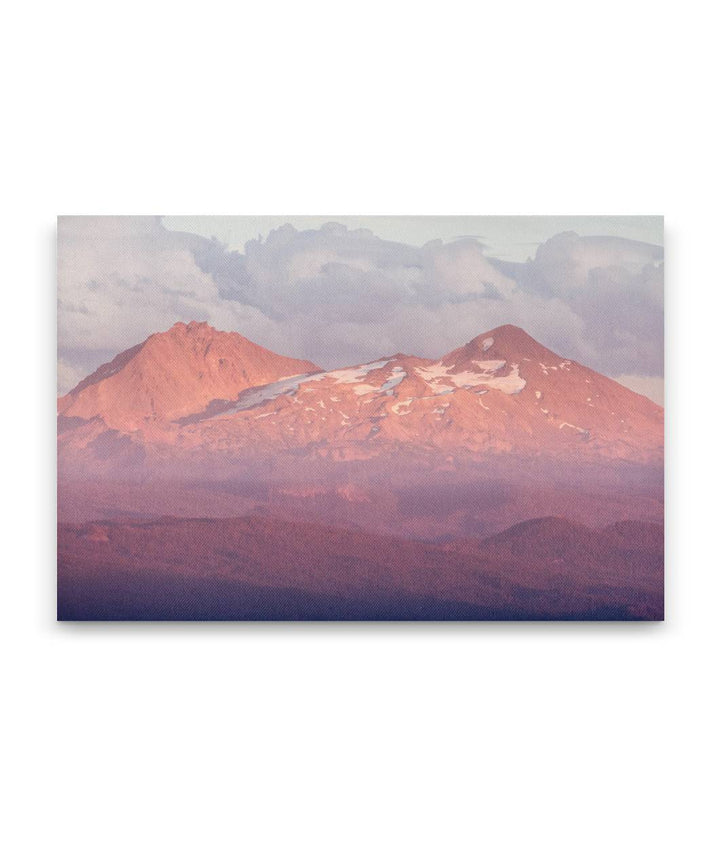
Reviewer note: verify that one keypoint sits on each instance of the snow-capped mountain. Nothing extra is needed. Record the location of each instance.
(193, 393)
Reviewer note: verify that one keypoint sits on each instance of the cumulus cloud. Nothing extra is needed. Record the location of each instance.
(339, 296)
(615, 286)
(652, 387)
(121, 279)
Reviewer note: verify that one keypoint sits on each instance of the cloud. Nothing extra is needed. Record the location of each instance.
(121, 279)
(652, 387)
(615, 286)
(339, 296)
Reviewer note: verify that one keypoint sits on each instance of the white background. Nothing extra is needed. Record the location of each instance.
(548, 739)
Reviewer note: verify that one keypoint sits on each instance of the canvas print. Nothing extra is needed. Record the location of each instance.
(360, 418)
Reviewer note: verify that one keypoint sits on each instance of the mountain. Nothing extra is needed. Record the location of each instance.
(174, 373)
(263, 567)
(203, 476)
(200, 399)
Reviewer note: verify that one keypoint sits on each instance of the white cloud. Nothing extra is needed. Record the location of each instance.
(339, 296)
(616, 287)
(652, 387)
(121, 279)
(69, 374)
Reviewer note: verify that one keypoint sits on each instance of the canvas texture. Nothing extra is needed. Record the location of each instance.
(360, 418)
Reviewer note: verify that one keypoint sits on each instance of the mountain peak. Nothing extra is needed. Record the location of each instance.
(191, 326)
(507, 342)
(196, 387)
(175, 373)
(509, 329)
(509, 335)
(196, 328)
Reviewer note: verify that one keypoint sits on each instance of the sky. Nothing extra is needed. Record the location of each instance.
(506, 237)
(344, 290)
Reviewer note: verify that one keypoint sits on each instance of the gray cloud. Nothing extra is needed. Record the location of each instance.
(616, 287)
(338, 296)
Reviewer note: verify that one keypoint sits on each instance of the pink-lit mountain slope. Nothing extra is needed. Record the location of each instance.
(175, 373)
(199, 396)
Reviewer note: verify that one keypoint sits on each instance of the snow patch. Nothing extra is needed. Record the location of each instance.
(488, 343)
(402, 405)
(583, 431)
(353, 375)
(364, 389)
(510, 384)
(434, 371)
(396, 377)
(257, 396)
(490, 365)
(467, 378)
(564, 365)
